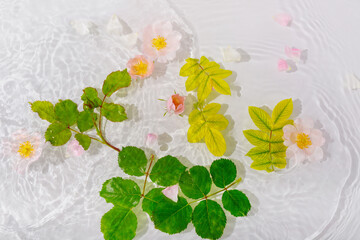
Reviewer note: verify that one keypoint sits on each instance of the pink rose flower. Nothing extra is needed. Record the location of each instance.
(283, 65)
(303, 141)
(73, 148)
(25, 148)
(283, 19)
(171, 192)
(293, 53)
(140, 67)
(160, 41)
(176, 104)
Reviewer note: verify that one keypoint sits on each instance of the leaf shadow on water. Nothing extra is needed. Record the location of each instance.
(245, 57)
(159, 70)
(132, 112)
(328, 140)
(230, 140)
(186, 43)
(296, 109)
(163, 140)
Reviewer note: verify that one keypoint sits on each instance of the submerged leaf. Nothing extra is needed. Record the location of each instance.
(66, 112)
(223, 172)
(167, 171)
(195, 183)
(114, 81)
(172, 217)
(204, 75)
(119, 223)
(209, 219)
(113, 112)
(45, 110)
(84, 140)
(57, 134)
(236, 202)
(132, 161)
(124, 193)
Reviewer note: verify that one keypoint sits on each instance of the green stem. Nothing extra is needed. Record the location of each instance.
(87, 135)
(99, 131)
(147, 174)
(221, 190)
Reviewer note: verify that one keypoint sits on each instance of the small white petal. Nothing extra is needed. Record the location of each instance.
(83, 27)
(352, 81)
(171, 192)
(129, 40)
(115, 26)
(230, 54)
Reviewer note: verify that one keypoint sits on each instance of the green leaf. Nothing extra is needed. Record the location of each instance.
(152, 199)
(114, 81)
(133, 161)
(167, 171)
(172, 217)
(236, 202)
(84, 140)
(119, 223)
(57, 134)
(223, 172)
(261, 118)
(113, 112)
(260, 138)
(282, 111)
(66, 112)
(90, 98)
(45, 110)
(209, 219)
(204, 76)
(121, 192)
(86, 120)
(195, 183)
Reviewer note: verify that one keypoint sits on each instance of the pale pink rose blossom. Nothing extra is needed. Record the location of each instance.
(293, 53)
(171, 192)
(151, 139)
(283, 19)
(283, 65)
(23, 148)
(160, 42)
(73, 148)
(140, 67)
(175, 104)
(303, 140)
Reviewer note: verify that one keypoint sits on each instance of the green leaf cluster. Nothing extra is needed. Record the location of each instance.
(65, 118)
(205, 122)
(269, 152)
(168, 216)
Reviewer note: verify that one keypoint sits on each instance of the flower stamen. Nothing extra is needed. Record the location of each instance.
(140, 68)
(159, 42)
(26, 149)
(303, 140)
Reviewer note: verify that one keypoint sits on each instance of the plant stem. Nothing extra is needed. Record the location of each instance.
(88, 136)
(99, 131)
(147, 173)
(221, 190)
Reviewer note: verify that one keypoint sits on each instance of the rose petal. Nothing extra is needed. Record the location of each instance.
(151, 139)
(304, 124)
(171, 192)
(283, 65)
(294, 53)
(316, 137)
(230, 54)
(283, 19)
(115, 26)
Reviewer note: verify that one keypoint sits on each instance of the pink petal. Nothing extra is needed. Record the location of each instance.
(151, 139)
(293, 52)
(316, 137)
(289, 130)
(171, 192)
(304, 124)
(317, 155)
(162, 28)
(283, 19)
(282, 65)
(74, 148)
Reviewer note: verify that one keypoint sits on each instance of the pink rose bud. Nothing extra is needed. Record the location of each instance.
(176, 104)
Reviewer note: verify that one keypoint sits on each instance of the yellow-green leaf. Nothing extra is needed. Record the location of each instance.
(277, 128)
(204, 89)
(196, 116)
(282, 111)
(196, 132)
(190, 68)
(261, 118)
(211, 108)
(217, 121)
(215, 142)
(221, 86)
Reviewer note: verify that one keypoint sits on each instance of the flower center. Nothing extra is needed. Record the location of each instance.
(159, 43)
(26, 149)
(140, 68)
(303, 140)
